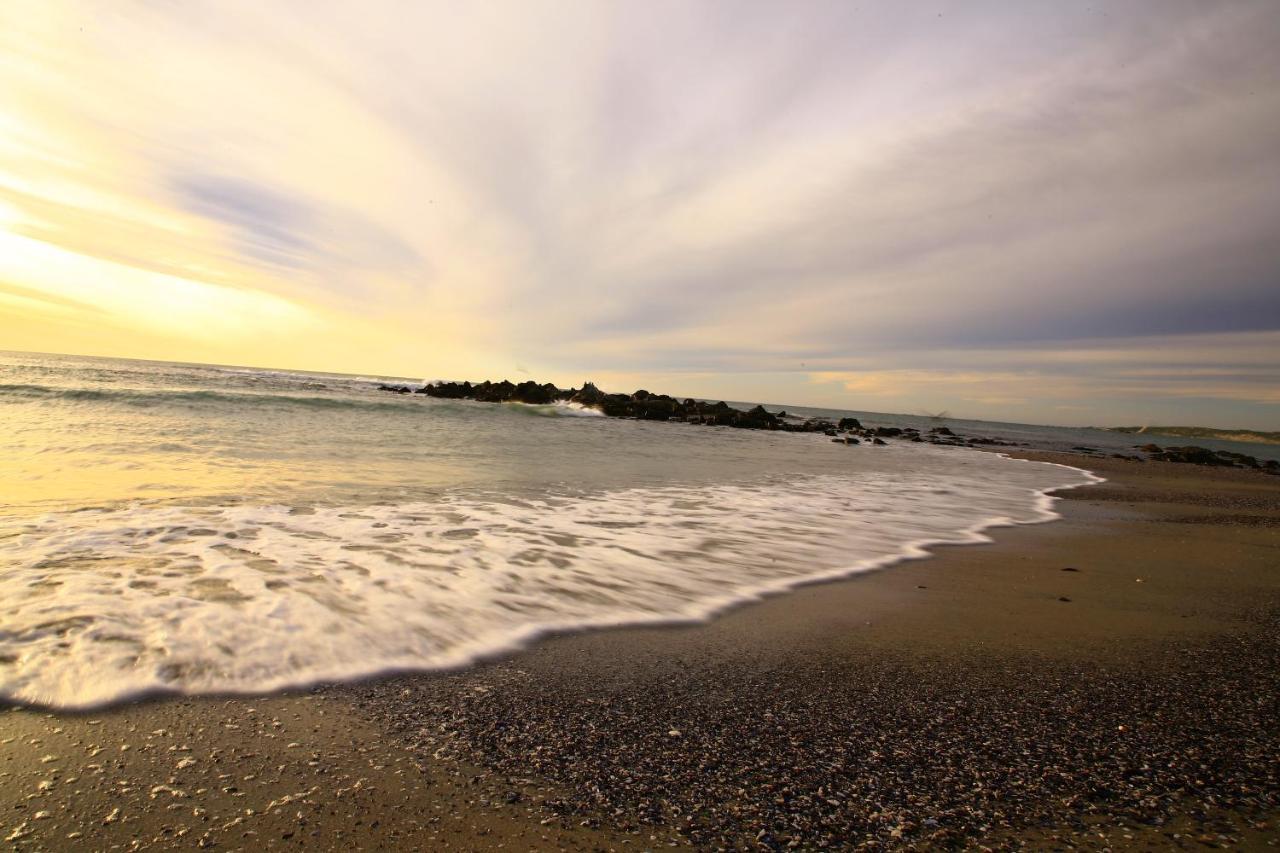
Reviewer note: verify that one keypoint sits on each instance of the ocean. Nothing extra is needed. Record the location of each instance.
(191, 529)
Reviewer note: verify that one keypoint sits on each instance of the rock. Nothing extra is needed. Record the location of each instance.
(653, 408)
(1191, 455)
(615, 405)
(494, 392)
(878, 441)
(590, 395)
(535, 394)
(941, 431)
(1239, 459)
(449, 390)
(889, 432)
(849, 423)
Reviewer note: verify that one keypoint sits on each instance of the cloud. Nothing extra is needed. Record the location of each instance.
(921, 198)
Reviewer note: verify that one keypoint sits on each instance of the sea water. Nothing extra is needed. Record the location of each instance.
(196, 529)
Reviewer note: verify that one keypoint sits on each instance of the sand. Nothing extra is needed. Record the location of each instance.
(984, 695)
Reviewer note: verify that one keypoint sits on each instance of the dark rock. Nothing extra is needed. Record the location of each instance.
(878, 441)
(616, 405)
(849, 423)
(653, 408)
(532, 392)
(1191, 455)
(449, 390)
(590, 395)
(494, 392)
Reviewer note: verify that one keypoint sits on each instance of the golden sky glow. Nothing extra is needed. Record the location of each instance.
(1033, 213)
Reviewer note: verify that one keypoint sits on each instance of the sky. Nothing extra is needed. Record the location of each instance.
(1048, 212)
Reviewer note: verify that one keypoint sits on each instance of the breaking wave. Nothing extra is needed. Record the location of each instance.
(103, 604)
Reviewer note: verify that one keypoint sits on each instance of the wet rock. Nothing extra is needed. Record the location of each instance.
(590, 395)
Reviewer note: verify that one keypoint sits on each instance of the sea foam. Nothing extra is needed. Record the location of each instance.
(103, 604)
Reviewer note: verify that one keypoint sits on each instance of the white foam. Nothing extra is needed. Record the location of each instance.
(558, 409)
(99, 605)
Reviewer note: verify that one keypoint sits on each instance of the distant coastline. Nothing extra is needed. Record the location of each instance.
(1249, 435)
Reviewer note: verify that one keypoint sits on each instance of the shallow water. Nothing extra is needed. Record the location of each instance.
(200, 529)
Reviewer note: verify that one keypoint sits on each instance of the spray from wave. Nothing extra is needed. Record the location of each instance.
(558, 409)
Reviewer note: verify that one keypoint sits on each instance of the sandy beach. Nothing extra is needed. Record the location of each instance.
(1108, 680)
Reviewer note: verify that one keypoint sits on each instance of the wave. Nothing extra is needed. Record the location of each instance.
(144, 398)
(339, 399)
(558, 409)
(97, 606)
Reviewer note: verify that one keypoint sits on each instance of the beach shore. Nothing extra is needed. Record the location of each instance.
(1107, 680)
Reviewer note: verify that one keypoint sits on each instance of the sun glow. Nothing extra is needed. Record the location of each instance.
(65, 285)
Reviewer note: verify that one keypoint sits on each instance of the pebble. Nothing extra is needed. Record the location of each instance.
(811, 752)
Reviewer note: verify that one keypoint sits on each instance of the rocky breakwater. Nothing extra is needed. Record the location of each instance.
(644, 405)
(1193, 455)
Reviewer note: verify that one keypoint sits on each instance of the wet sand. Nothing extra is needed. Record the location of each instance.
(985, 695)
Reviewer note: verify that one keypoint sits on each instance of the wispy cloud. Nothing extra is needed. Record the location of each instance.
(1027, 210)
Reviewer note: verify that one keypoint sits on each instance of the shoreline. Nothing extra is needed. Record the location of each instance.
(567, 742)
(979, 533)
